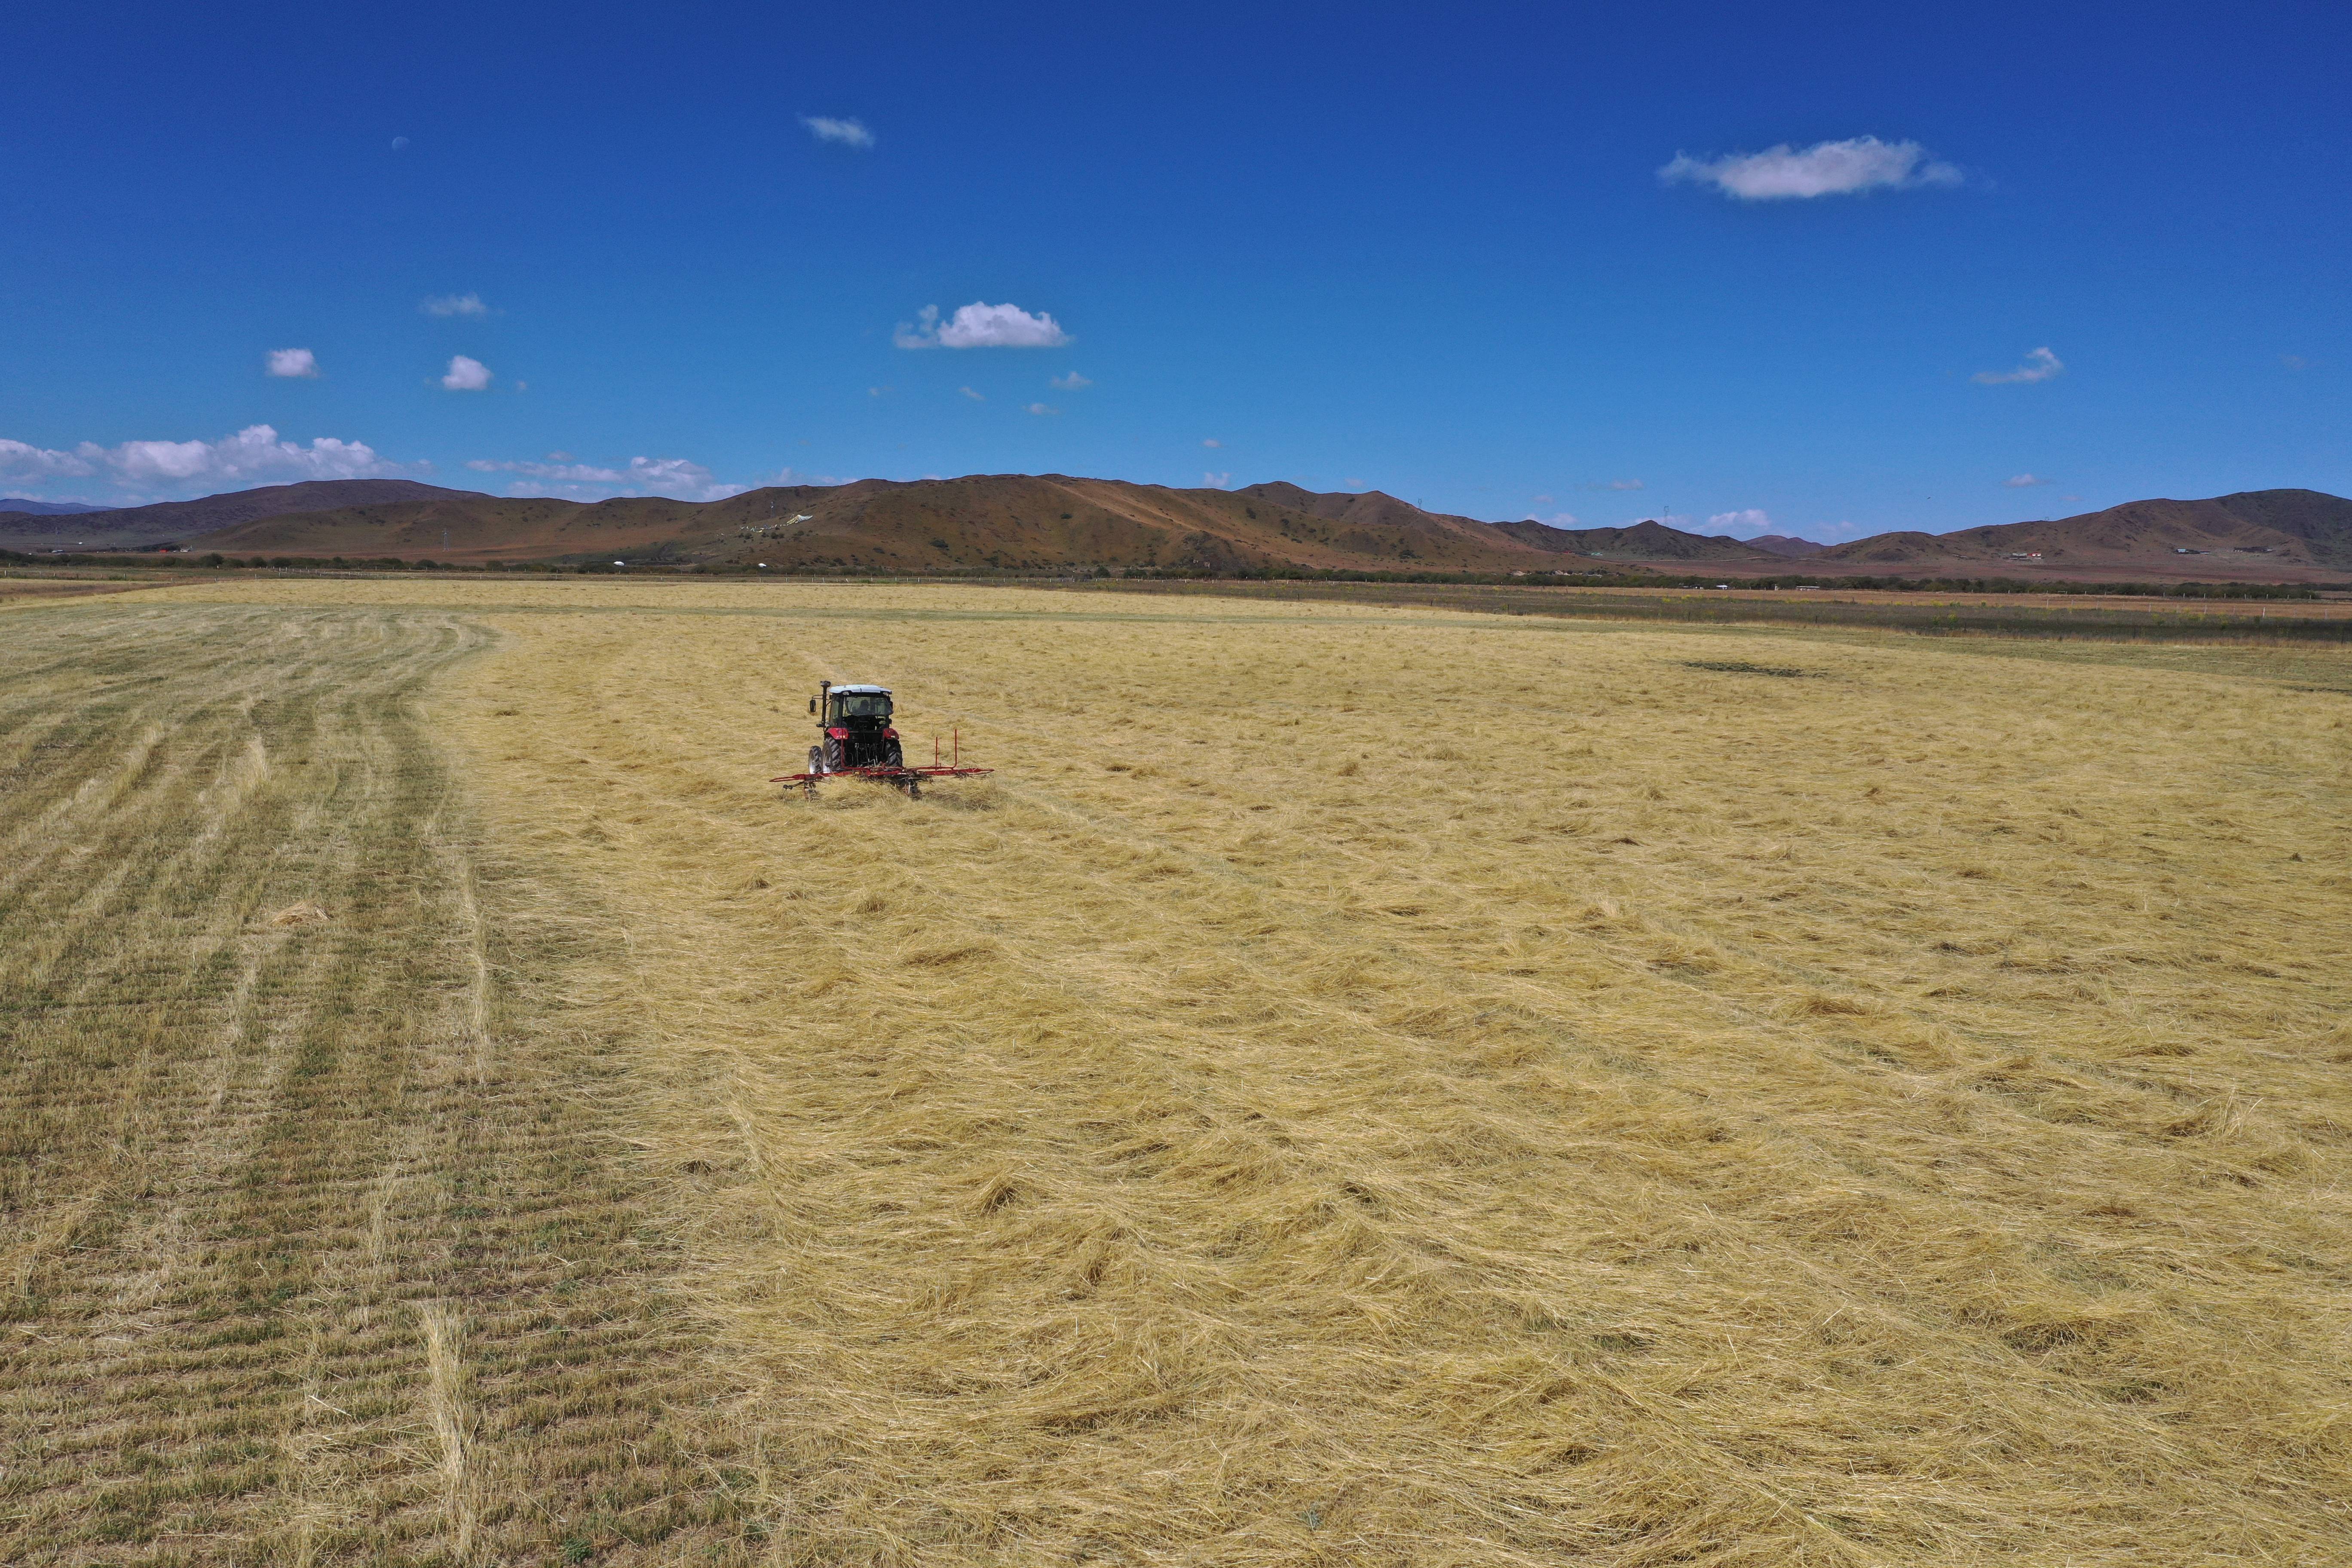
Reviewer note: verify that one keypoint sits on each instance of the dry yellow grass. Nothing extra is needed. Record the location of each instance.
(1389, 1087)
(308, 1248)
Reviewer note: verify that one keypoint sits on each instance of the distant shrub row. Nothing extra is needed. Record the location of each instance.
(1608, 579)
(1600, 578)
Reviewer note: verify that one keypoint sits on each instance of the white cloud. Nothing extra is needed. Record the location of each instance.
(1070, 383)
(1626, 484)
(975, 396)
(840, 132)
(1041, 408)
(2294, 362)
(2040, 364)
(980, 326)
(1825, 169)
(1560, 520)
(1746, 517)
(1217, 481)
(2022, 481)
(300, 365)
(253, 456)
(1212, 442)
(467, 304)
(1541, 501)
(466, 374)
(673, 476)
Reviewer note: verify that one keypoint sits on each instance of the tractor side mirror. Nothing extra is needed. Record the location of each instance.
(812, 704)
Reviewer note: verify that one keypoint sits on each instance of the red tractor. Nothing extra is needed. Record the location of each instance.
(856, 720)
(859, 742)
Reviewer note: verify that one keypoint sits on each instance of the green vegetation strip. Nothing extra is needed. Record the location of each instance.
(1694, 609)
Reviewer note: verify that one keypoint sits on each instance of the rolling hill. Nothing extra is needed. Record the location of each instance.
(2254, 530)
(1012, 522)
(138, 527)
(24, 507)
(1057, 522)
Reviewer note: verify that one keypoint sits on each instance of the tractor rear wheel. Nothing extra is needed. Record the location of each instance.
(894, 755)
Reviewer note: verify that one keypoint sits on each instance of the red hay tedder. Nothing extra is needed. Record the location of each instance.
(859, 743)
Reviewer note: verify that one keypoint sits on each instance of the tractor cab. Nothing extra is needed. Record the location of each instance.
(855, 706)
(855, 722)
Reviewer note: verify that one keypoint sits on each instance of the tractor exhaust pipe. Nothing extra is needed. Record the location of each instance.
(823, 687)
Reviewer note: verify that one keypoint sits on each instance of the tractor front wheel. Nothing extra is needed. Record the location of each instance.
(832, 759)
(816, 760)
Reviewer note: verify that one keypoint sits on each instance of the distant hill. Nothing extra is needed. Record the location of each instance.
(1005, 520)
(28, 507)
(133, 528)
(2253, 530)
(1056, 521)
(1646, 540)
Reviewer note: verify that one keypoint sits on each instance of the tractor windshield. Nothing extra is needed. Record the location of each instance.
(863, 705)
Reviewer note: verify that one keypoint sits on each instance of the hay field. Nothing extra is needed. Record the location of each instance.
(1384, 1086)
(310, 1251)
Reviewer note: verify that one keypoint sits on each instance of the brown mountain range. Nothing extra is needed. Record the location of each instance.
(1053, 521)
(2275, 530)
(1047, 521)
(136, 527)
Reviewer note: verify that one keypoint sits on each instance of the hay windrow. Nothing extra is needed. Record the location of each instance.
(1380, 1085)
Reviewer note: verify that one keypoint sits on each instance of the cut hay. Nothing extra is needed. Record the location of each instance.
(1401, 1087)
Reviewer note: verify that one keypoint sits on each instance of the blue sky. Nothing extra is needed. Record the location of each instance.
(594, 250)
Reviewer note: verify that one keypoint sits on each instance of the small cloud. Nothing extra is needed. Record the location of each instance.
(1624, 485)
(975, 396)
(1825, 169)
(1070, 383)
(1041, 408)
(876, 390)
(1560, 519)
(294, 364)
(1217, 481)
(558, 457)
(1541, 501)
(840, 133)
(2040, 364)
(466, 374)
(980, 326)
(468, 304)
(2024, 481)
(2293, 362)
(399, 143)
(254, 456)
(1751, 519)
(674, 477)
(1213, 443)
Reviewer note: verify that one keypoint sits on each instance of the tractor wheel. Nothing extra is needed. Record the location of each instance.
(894, 755)
(816, 758)
(833, 761)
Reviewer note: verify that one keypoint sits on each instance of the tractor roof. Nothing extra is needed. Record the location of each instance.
(883, 690)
